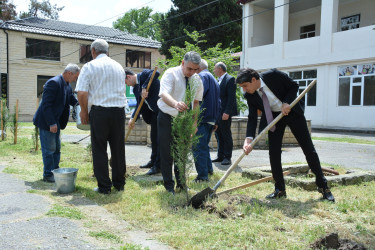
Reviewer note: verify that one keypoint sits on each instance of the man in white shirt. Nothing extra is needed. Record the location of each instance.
(101, 95)
(173, 86)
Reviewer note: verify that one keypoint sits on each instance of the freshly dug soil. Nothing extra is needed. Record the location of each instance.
(332, 241)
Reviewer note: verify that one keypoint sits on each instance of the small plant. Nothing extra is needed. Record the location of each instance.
(4, 119)
(106, 235)
(129, 246)
(183, 130)
(14, 126)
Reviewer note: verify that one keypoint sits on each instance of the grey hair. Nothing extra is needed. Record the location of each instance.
(71, 67)
(193, 57)
(222, 66)
(203, 64)
(100, 46)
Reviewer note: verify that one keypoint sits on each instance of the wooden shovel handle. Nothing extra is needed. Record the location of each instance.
(253, 183)
(141, 103)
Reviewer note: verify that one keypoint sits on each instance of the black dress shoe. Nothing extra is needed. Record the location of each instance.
(226, 162)
(197, 180)
(153, 171)
(217, 160)
(49, 179)
(147, 165)
(277, 194)
(327, 195)
(98, 190)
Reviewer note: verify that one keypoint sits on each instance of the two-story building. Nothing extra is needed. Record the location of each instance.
(32, 50)
(332, 41)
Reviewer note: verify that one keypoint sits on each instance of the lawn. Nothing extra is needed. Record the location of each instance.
(243, 219)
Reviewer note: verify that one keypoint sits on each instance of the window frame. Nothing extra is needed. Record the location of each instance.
(354, 75)
(143, 57)
(349, 26)
(307, 33)
(308, 81)
(88, 56)
(44, 46)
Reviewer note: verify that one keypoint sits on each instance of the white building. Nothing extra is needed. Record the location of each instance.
(332, 41)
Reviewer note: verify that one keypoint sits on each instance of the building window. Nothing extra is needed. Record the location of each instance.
(4, 86)
(350, 22)
(41, 80)
(85, 54)
(42, 49)
(304, 78)
(357, 85)
(307, 31)
(138, 59)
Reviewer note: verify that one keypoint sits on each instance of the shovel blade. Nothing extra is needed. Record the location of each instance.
(197, 200)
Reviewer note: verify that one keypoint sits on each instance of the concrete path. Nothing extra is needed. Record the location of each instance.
(25, 225)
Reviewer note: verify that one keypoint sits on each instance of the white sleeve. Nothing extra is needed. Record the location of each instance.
(166, 83)
(199, 94)
(83, 80)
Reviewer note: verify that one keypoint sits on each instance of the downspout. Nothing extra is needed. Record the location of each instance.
(7, 66)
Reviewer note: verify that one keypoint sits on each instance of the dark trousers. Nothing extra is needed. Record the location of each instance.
(166, 159)
(298, 126)
(201, 152)
(108, 125)
(224, 139)
(155, 154)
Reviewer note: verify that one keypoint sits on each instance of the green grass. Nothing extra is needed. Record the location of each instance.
(133, 247)
(344, 139)
(66, 212)
(242, 219)
(106, 235)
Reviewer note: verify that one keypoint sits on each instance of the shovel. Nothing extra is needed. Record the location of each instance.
(198, 199)
(141, 103)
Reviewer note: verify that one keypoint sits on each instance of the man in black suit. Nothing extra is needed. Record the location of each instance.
(149, 109)
(276, 90)
(228, 109)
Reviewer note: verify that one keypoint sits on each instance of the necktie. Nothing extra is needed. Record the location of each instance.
(267, 109)
(188, 87)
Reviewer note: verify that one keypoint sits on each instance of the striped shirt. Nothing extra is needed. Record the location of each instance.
(104, 80)
(173, 82)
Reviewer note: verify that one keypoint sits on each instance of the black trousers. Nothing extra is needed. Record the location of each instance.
(298, 126)
(108, 125)
(224, 139)
(155, 153)
(166, 159)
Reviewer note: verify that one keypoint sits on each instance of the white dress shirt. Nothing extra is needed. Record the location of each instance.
(173, 82)
(275, 103)
(104, 80)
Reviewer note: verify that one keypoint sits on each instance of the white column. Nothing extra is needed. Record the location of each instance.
(247, 32)
(328, 20)
(281, 23)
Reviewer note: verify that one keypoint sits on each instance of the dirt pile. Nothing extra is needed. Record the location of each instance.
(332, 241)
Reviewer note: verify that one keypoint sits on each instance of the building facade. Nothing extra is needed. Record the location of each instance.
(332, 41)
(32, 50)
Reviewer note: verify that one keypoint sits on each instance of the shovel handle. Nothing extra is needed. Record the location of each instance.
(141, 103)
(253, 183)
(265, 130)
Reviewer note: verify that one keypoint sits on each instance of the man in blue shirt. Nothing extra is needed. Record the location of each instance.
(210, 112)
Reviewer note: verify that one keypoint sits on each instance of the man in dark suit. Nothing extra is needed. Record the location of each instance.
(274, 90)
(149, 109)
(53, 115)
(228, 109)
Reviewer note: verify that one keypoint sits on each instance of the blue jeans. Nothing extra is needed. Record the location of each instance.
(51, 145)
(201, 152)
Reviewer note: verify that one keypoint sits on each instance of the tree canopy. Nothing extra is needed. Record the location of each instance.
(207, 17)
(141, 22)
(7, 10)
(43, 9)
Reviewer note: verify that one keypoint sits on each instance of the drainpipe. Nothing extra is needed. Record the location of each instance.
(7, 66)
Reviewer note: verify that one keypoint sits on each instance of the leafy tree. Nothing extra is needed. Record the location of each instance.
(43, 9)
(7, 10)
(207, 17)
(141, 22)
(212, 55)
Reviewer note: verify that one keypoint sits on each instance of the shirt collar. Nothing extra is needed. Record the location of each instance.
(221, 77)
(101, 55)
(262, 84)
